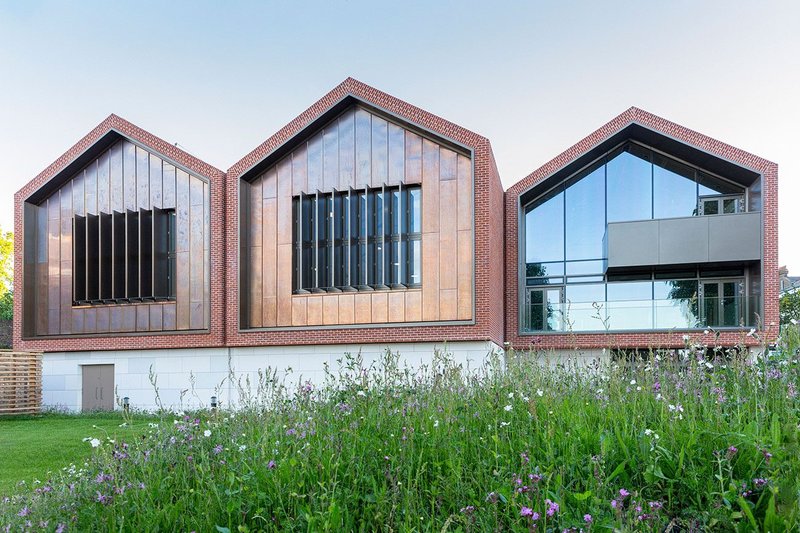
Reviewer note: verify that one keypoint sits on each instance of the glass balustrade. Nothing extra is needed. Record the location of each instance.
(546, 311)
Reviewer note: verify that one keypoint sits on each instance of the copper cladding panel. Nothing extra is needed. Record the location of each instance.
(359, 149)
(123, 175)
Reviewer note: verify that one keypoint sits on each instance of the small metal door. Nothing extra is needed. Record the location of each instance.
(98, 388)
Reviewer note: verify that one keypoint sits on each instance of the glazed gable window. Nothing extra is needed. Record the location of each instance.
(124, 257)
(367, 239)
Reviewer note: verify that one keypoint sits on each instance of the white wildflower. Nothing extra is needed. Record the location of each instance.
(508, 408)
(648, 432)
(436, 423)
(706, 332)
(539, 392)
(361, 393)
(510, 395)
(242, 448)
(207, 433)
(633, 382)
(504, 424)
(751, 332)
(685, 338)
(638, 388)
(95, 443)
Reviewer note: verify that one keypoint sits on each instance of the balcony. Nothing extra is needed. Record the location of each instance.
(637, 315)
(687, 240)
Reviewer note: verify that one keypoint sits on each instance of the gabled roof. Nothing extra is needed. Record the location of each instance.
(350, 92)
(661, 134)
(94, 143)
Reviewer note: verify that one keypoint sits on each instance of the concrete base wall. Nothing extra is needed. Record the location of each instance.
(187, 378)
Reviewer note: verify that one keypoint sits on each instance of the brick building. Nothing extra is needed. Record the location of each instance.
(365, 224)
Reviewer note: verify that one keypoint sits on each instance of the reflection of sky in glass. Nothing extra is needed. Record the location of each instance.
(586, 217)
(629, 188)
(674, 190)
(544, 231)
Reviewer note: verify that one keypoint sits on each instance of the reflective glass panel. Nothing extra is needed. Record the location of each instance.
(585, 307)
(676, 304)
(711, 185)
(585, 215)
(629, 181)
(415, 210)
(544, 230)
(582, 268)
(536, 270)
(674, 189)
(630, 305)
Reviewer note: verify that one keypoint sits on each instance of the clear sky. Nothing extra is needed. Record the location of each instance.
(535, 77)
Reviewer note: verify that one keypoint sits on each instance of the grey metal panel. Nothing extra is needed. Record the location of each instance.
(735, 237)
(347, 156)
(683, 240)
(142, 178)
(168, 183)
(156, 181)
(632, 243)
(78, 195)
(688, 240)
(380, 151)
(115, 185)
(330, 161)
(128, 175)
(363, 149)
(90, 185)
(103, 183)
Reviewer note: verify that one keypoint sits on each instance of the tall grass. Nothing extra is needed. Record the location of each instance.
(703, 441)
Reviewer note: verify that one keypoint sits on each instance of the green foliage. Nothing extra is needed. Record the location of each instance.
(790, 308)
(692, 444)
(6, 275)
(28, 450)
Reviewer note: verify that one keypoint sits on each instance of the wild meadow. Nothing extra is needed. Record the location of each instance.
(698, 440)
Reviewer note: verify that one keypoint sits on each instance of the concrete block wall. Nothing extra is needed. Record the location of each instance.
(211, 370)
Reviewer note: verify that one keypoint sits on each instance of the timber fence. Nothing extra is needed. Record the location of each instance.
(20, 382)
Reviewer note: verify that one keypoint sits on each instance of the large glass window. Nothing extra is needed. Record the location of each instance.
(585, 215)
(545, 217)
(674, 189)
(630, 178)
(358, 240)
(564, 272)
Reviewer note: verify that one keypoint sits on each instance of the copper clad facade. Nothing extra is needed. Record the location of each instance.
(359, 149)
(124, 178)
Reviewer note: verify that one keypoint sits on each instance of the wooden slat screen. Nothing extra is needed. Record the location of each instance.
(20, 383)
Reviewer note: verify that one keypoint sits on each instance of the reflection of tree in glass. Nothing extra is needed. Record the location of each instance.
(685, 291)
(536, 270)
(540, 310)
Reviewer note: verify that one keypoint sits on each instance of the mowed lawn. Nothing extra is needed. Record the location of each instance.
(32, 446)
